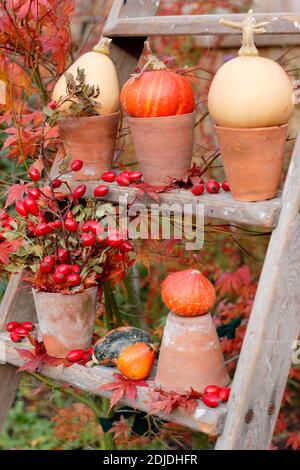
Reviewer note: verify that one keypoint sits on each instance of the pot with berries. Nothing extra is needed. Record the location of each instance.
(160, 107)
(85, 106)
(66, 254)
(190, 354)
(251, 101)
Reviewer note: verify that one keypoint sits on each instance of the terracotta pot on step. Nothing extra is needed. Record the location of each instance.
(66, 321)
(253, 160)
(163, 146)
(90, 139)
(190, 355)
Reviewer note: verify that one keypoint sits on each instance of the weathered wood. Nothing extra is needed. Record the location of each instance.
(221, 206)
(126, 51)
(273, 327)
(203, 419)
(17, 304)
(198, 25)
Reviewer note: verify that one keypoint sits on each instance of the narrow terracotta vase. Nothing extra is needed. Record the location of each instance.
(92, 140)
(253, 160)
(163, 146)
(190, 355)
(66, 321)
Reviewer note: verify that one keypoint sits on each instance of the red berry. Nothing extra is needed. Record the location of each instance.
(79, 191)
(75, 355)
(212, 390)
(34, 174)
(101, 190)
(75, 268)
(11, 326)
(63, 255)
(76, 165)
(35, 193)
(108, 176)
(210, 400)
(31, 205)
(88, 239)
(122, 257)
(122, 180)
(212, 186)
(69, 215)
(73, 279)
(21, 209)
(57, 223)
(56, 183)
(59, 278)
(28, 325)
(90, 351)
(126, 173)
(114, 239)
(126, 247)
(63, 268)
(4, 215)
(15, 338)
(52, 104)
(96, 227)
(135, 177)
(43, 229)
(21, 331)
(86, 357)
(198, 189)
(85, 227)
(50, 259)
(45, 267)
(71, 225)
(225, 186)
(224, 394)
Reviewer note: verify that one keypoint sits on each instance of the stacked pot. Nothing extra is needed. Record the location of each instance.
(190, 356)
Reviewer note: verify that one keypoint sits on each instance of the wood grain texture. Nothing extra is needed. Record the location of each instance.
(221, 206)
(198, 25)
(274, 325)
(17, 304)
(204, 419)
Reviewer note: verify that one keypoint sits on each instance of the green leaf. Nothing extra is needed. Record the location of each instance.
(10, 235)
(14, 225)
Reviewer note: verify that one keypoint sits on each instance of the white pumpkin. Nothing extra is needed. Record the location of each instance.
(250, 91)
(99, 70)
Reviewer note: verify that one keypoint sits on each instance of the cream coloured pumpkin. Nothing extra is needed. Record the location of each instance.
(99, 70)
(250, 91)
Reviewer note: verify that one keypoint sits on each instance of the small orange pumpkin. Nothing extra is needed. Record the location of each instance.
(136, 361)
(188, 293)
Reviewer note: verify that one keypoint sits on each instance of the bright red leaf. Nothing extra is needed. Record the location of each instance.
(121, 388)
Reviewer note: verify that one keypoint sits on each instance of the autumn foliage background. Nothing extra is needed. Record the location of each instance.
(38, 40)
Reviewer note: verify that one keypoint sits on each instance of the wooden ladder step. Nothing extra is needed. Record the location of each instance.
(204, 419)
(197, 25)
(220, 206)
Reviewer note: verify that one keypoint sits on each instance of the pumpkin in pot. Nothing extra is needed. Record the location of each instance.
(250, 91)
(157, 91)
(100, 71)
(188, 293)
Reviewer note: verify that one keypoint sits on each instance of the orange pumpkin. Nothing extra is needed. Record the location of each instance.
(135, 362)
(188, 293)
(157, 93)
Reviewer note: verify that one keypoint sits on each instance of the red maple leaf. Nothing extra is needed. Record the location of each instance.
(120, 429)
(8, 247)
(166, 402)
(15, 192)
(293, 441)
(151, 191)
(122, 387)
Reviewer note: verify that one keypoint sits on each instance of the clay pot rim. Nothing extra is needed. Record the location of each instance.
(253, 129)
(88, 118)
(61, 293)
(147, 119)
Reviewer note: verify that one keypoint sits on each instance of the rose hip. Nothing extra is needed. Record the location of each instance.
(76, 165)
(35, 193)
(75, 355)
(34, 174)
(15, 338)
(101, 190)
(198, 189)
(224, 394)
(28, 325)
(212, 390)
(21, 209)
(73, 279)
(212, 187)
(108, 177)
(122, 180)
(56, 183)
(31, 205)
(210, 400)
(225, 186)
(11, 326)
(71, 225)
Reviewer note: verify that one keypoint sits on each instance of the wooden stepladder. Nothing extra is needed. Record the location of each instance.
(260, 379)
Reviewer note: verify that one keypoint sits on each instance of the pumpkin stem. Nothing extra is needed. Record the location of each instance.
(102, 46)
(249, 28)
(152, 63)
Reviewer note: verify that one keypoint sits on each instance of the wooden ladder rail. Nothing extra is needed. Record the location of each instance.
(266, 353)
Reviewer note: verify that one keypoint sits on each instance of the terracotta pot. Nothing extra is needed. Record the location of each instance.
(190, 355)
(253, 160)
(92, 140)
(66, 321)
(163, 146)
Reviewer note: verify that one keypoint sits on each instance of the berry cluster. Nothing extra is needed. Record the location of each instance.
(211, 186)
(80, 356)
(18, 331)
(214, 395)
(123, 179)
